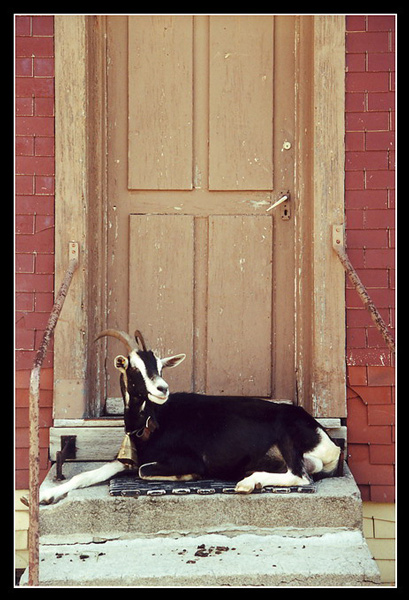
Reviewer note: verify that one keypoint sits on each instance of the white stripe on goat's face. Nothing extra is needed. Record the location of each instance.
(150, 368)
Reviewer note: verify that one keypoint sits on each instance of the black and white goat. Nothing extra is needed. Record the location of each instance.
(186, 436)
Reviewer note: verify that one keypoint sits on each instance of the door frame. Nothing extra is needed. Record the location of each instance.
(80, 200)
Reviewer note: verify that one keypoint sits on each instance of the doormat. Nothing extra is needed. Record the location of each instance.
(131, 486)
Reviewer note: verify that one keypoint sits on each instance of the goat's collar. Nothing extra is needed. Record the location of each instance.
(145, 432)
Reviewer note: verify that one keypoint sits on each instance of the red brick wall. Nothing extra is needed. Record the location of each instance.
(370, 219)
(34, 146)
(369, 198)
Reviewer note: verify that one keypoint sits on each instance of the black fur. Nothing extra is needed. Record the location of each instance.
(222, 437)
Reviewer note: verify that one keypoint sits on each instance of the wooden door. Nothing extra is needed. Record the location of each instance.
(200, 121)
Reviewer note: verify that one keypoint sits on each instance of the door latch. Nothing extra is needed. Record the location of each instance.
(284, 204)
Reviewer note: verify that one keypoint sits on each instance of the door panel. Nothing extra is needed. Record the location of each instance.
(161, 288)
(196, 129)
(239, 305)
(241, 103)
(160, 102)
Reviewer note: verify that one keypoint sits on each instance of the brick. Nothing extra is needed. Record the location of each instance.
(381, 454)
(375, 339)
(380, 258)
(357, 257)
(355, 63)
(357, 376)
(43, 222)
(31, 165)
(367, 238)
(23, 25)
(379, 140)
(25, 263)
(25, 301)
(35, 126)
(44, 107)
(42, 241)
(355, 22)
(367, 82)
(358, 161)
(45, 263)
(29, 204)
(367, 42)
(43, 25)
(373, 278)
(356, 338)
(40, 86)
(381, 414)
(367, 199)
(379, 219)
(373, 395)
(354, 180)
(24, 107)
(24, 339)
(365, 473)
(381, 376)
(357, 453)
(43, 67)
(44, 302)
(381, 62)
(381, 101)
(24, 184)
(24, 146)
(381, 22)
(354, 219)
(368, 356)
(365, 491)
(31, 46)
(379, 180)
(24, 67)
(355, 102)
(355, 140)
(26, 282)
(44, 185)
(24, 224)
(44, 146)
(35, 321)
(367, 121)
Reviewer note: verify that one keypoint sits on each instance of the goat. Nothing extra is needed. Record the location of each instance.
(189, 436)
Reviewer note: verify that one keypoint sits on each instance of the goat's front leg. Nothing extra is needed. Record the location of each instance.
(82, 480)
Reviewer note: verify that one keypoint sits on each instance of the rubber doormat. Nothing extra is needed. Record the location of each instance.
(130, 485)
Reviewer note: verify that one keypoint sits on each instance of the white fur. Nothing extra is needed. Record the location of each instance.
(260, 479)
(152, 386)
(327, 453)
(82, 480)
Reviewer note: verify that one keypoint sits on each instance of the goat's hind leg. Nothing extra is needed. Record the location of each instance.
(82, 480)
(260, 479)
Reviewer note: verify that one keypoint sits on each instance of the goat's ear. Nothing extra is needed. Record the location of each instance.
(173, 361)
(121, 363)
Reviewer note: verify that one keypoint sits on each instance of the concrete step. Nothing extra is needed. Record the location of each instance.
(91, 512)
(265, 539)
(339, 558)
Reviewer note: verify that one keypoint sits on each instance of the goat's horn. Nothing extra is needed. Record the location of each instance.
(139, 339)
(122, 336)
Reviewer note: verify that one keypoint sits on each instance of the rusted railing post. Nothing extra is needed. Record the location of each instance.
(34, 413)
(339, 247)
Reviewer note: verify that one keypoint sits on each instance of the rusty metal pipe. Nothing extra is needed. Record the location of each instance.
(34, 413)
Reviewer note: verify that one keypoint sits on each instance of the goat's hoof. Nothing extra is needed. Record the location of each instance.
(244, 486)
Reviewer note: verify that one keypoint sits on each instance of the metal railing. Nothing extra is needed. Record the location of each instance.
(34, 414)
(339, 247)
